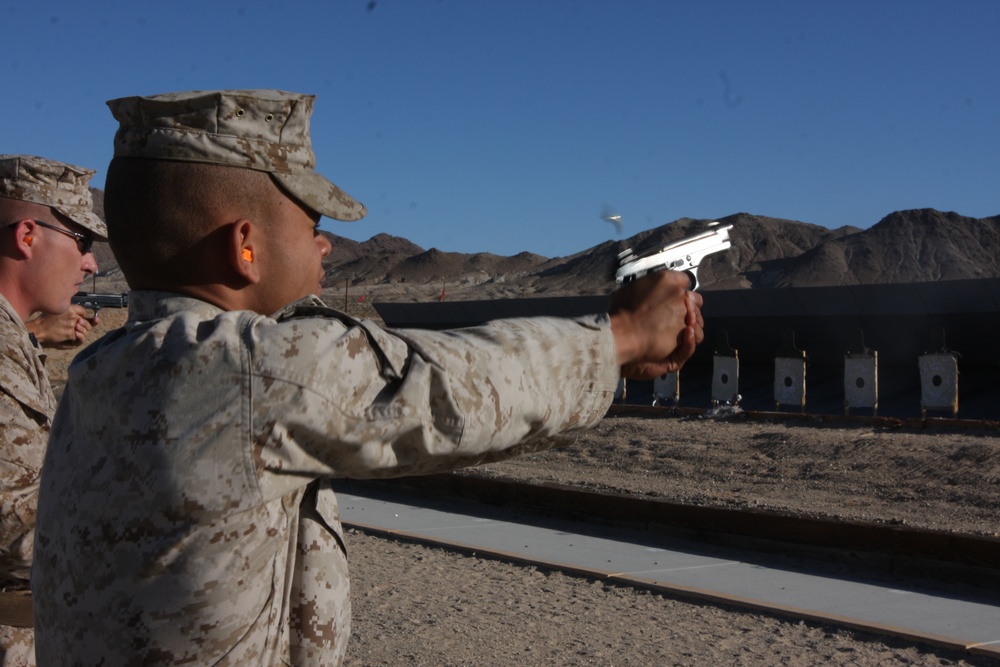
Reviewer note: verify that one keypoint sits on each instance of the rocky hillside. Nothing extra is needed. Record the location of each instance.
(906, 246)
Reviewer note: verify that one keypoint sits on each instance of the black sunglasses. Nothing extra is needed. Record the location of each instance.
(83, 241)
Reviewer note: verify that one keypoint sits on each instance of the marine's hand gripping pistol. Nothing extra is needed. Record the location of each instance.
(683, 255)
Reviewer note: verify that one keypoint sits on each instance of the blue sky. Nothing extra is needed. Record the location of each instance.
(507, 125)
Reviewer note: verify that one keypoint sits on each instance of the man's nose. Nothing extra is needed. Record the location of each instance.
(324, 245)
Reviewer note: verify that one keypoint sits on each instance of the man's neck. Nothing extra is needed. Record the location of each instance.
(15, 297)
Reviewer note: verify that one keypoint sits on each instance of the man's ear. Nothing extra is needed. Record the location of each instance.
(242, 250)
(24, 237)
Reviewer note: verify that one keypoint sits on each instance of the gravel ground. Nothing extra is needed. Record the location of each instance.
(422, 606)
(935, 478)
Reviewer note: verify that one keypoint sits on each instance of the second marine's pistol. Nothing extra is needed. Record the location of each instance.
(95, 301)
(683, 255)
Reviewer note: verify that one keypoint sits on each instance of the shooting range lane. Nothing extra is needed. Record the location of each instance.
(689, 570)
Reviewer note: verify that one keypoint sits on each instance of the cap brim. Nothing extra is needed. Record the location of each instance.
(321, 195)
(87, 220)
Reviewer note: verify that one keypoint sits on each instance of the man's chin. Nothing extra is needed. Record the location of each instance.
(56, 308)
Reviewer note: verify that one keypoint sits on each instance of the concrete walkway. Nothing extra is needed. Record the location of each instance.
(677, 567)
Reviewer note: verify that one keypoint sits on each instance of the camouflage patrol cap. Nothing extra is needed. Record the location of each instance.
(61, 186)
(265, 130)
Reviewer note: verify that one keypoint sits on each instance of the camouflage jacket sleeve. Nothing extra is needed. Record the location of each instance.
(26, 408)
(338, 397)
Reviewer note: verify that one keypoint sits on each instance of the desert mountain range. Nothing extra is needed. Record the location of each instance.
(917, 245)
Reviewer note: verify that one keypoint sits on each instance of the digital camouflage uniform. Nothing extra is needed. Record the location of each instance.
(26, 408)
(184, 515)
(26, 400)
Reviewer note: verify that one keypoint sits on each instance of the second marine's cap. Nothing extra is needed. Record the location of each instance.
(264, 130)
(63, 187)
